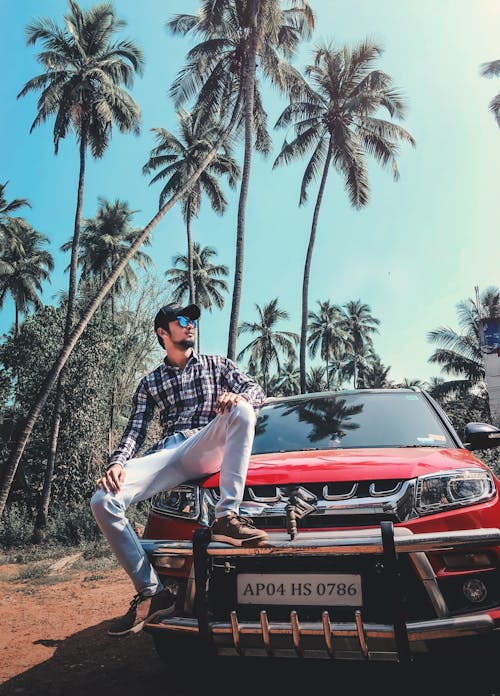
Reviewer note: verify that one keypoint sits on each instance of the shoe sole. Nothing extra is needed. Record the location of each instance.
(250, 541)
(137, 628)
(161, 613)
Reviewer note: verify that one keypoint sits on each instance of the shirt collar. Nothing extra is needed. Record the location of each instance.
(194, 357)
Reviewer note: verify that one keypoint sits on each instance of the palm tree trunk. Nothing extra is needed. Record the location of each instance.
(245, 178)
(113, 388)
(16, 320)
(307, 270)
(43, 505)
(18, 448)
(190, 255)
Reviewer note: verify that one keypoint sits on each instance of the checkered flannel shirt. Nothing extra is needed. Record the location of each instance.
(185, 398)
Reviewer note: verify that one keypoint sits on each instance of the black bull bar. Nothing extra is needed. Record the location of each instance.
(228, 638)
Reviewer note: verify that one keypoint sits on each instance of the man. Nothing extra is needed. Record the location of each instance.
(207, 411)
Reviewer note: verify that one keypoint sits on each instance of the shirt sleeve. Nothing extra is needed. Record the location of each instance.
(238, 382)
(143, 406)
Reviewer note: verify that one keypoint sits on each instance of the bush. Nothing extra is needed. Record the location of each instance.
(16, 526)
(66, 526)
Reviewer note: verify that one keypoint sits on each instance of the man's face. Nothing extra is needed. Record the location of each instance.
(181, 337)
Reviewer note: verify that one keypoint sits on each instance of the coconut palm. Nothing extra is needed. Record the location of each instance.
(326, 334)
(459, 354)
(241, 38)
(316, 380)
(287, 381)
(81, 86)
(406, 383)
(377, 375)
(104, 240)
(24, 266)
(84, 68)
(492, 69)
(359, 325)
(208, 279)
(269, 344)
(177, 158)
(9, 224)
(338, 122)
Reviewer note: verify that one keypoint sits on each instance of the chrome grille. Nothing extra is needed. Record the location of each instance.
(363, 502)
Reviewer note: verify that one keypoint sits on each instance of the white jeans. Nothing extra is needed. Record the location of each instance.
(223, 445)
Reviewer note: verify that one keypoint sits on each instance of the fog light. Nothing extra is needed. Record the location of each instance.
(169, 562)
(464, 561)
(474, 590)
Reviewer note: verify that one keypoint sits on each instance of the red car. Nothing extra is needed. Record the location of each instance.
(384, 537)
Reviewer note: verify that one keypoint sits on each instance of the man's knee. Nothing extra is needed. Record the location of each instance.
(244, 412)
(103, 503)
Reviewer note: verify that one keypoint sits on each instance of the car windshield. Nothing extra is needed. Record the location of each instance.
(345, 421)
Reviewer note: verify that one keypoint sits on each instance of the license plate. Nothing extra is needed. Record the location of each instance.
(329, 589)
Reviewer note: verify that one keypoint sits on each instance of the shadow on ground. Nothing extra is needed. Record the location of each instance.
(90, 663)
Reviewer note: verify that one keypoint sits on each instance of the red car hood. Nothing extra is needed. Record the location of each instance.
(351, 465)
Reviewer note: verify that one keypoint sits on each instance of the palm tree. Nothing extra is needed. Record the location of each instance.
(326, 334)
(315, 380)
(492, 69)
(359, 325)
(414, 382)
(9, 225)
(207, 279)
(24, 266)
(239, 37)
(269, 344)
(338, 122)
(377, 375)
(104, 240)
(459, 354)
(81, 87)
(287, 381)
(176, 159)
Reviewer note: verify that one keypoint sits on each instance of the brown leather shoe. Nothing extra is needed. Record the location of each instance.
(237, 531)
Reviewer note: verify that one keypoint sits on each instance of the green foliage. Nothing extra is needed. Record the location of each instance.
(67, 527)
(83, 437)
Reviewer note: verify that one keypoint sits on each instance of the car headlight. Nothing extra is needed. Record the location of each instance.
(181, 501)
(451, 489)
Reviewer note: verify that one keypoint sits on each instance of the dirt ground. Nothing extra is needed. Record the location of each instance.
(53, 638)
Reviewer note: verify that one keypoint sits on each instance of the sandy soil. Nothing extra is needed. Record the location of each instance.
(53, 638)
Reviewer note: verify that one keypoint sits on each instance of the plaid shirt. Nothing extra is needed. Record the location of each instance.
(185, 398)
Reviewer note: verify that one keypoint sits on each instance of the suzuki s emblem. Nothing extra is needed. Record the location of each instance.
(301, 499)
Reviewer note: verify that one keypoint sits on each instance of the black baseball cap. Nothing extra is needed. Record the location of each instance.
(170, 312)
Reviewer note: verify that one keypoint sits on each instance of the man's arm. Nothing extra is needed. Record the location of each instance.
(143, 406)
(238, 382)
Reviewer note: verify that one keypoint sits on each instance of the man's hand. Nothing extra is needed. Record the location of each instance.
(112, 479)
(227, 400)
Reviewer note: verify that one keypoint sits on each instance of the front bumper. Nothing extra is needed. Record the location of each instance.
(329, 637)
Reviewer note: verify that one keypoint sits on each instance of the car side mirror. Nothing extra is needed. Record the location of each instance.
(481, 436)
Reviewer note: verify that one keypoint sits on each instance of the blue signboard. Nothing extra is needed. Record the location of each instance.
(491, 335)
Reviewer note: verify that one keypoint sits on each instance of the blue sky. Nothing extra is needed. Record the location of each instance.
(420, 246)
